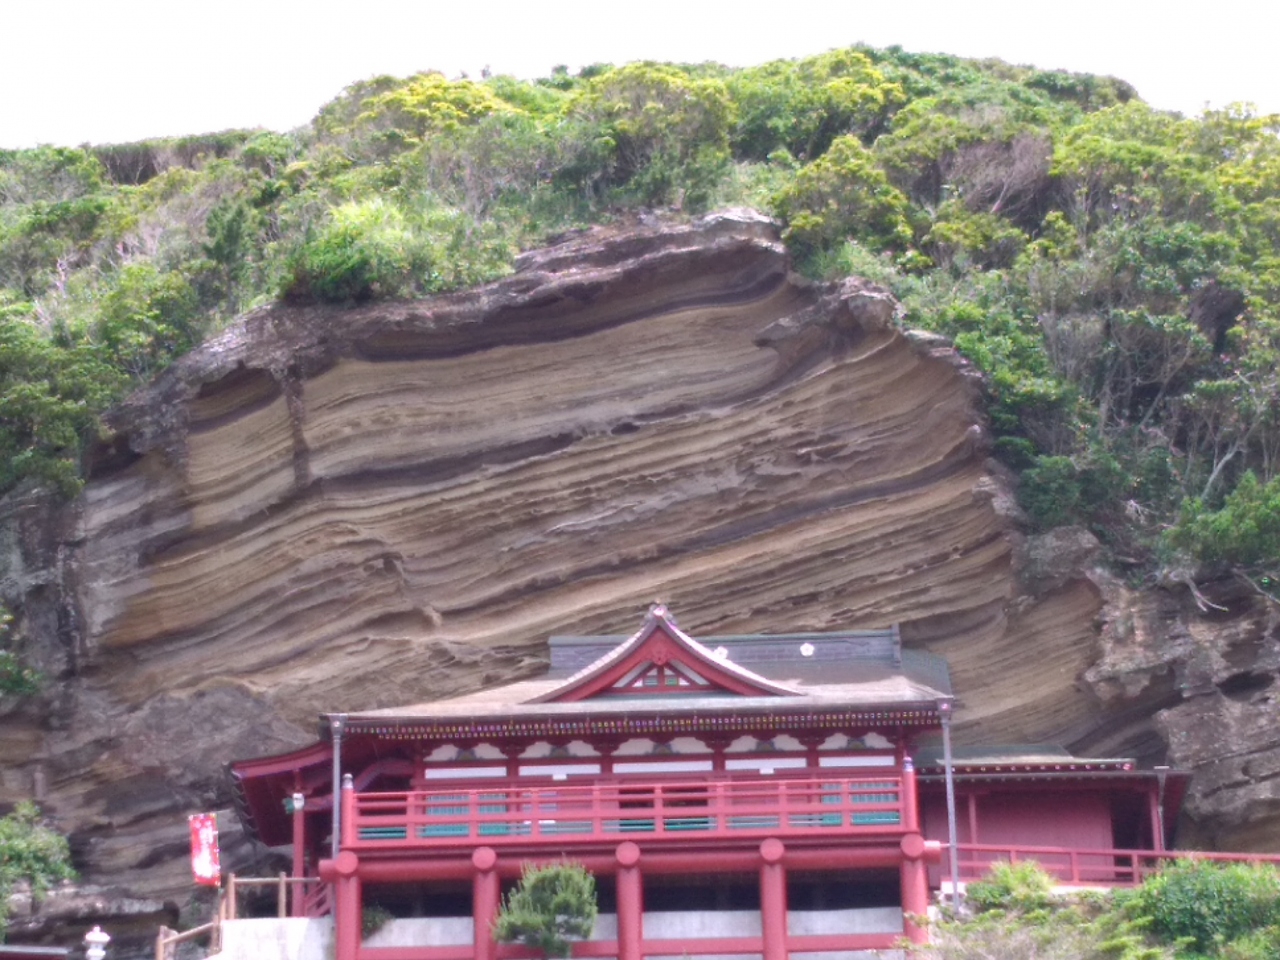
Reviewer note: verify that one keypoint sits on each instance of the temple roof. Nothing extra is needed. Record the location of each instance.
(612, 676)
(1021, 757)
(657, 681)
(1038, 762)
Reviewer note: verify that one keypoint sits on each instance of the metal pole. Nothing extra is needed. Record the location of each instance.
(1162, 773)
(944, 711)
(337, 723)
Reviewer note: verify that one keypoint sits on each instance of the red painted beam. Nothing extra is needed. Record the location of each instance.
(653, 862)
(843, 941)
(460, 952)
(674, 947)
(693, 948)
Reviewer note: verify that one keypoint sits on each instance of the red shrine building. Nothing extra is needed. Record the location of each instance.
(745, 795)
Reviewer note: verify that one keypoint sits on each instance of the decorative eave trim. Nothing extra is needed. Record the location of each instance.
(922, 716)
(1064, 771)
(996, 769)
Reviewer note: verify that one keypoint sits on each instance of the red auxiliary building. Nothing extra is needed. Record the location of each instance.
(740, 795)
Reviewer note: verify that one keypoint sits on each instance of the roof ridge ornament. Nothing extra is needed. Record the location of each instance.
(661, 643)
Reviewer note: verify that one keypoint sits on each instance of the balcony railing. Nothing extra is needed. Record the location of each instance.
(1084, 867)
(617, 810)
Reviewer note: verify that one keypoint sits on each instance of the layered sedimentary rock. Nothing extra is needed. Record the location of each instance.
(329, 509)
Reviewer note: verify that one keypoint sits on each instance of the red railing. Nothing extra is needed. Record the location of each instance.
(571, 813)
(318, 900)
(1101, 866)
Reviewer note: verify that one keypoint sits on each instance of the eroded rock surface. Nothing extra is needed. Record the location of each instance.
(1201, 678)
(330, 509)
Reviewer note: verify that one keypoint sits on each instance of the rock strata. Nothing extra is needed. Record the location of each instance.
(329, 509)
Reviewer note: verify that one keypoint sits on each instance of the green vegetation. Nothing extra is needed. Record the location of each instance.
(16, 678)
(373, 918)
(32, 853)
(1022, 887)
(1193, 910)
(1209, 909)
(1113, 270)
(550, 906)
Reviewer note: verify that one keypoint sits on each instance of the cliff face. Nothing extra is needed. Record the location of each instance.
(330, 509)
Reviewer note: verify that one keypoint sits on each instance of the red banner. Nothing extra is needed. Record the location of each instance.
(205, 866)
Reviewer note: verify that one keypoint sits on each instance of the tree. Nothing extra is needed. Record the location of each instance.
(50, 394)
(843, 193)
(801, 107)
(662, 133)
(30, 852)
(552, 904)
(428, 103)
(146, 319)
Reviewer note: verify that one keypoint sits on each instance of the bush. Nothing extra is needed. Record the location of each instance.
(50, 393)
(1209, 904)
(1245, 531)
(1066, 933)
(146, 319)
(16, 677)
(1260, 945)
(552, 904)
(373, 918)
(1018, 886)
(366, 251)
(842, 194)
(659, 134)
(30, 852)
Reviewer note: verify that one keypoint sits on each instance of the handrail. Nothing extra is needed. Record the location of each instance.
(166, 938)
(315, 904)
(1108, 866)
(282, 882)
(507, 813)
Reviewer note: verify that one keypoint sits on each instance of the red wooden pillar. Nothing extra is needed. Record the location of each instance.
(606, 747)
(511, 755)
(630, 902)
(718, 746)
(348, 827)
(773, 900)
(347, 907)
(909, 798)
(914, 878)
(811, 743)
(484, 902)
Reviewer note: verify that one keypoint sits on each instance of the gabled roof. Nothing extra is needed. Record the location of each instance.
(850, 678)
(661, 650)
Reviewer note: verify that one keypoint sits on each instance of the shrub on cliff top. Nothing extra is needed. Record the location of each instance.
(365, 251)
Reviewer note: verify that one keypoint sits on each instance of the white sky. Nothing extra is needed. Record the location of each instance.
(101, 71)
